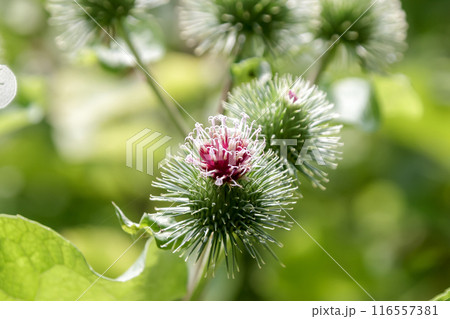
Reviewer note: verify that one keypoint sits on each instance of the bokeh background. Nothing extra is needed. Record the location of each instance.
(384, 216)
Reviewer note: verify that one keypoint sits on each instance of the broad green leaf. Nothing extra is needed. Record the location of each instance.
(36, 263)
(445, 296)
(356, 103)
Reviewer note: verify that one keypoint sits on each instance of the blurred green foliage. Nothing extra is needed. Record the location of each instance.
(384, 216)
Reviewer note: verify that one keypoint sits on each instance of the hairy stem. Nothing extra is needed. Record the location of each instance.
(170, 108)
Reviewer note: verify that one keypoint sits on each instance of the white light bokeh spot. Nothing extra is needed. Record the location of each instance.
(8, 86)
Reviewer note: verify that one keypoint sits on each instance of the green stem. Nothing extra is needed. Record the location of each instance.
(322, 65)
(170, 108)
(224, 96)
(196, 272)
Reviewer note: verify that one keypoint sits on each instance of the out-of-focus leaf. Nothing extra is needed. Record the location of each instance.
(397, 97)
(36, 263)
(32, 92)
(15, 118)
(356, 103)
(411, 117)
(445, 296)
(27, 108)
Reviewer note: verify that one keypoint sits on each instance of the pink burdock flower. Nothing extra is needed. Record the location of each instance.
(224, 153)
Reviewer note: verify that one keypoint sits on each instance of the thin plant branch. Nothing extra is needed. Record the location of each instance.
(171, 109)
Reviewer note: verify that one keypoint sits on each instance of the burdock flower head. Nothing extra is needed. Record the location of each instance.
(246, 27)
(225, 193)
(296, 120)
(373, 32)
(83, 21)
(222, 153)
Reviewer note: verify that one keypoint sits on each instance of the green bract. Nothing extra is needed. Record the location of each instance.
(83, 21)
(218, 215)
(296, 120)
(246, 27)
(376, 38)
